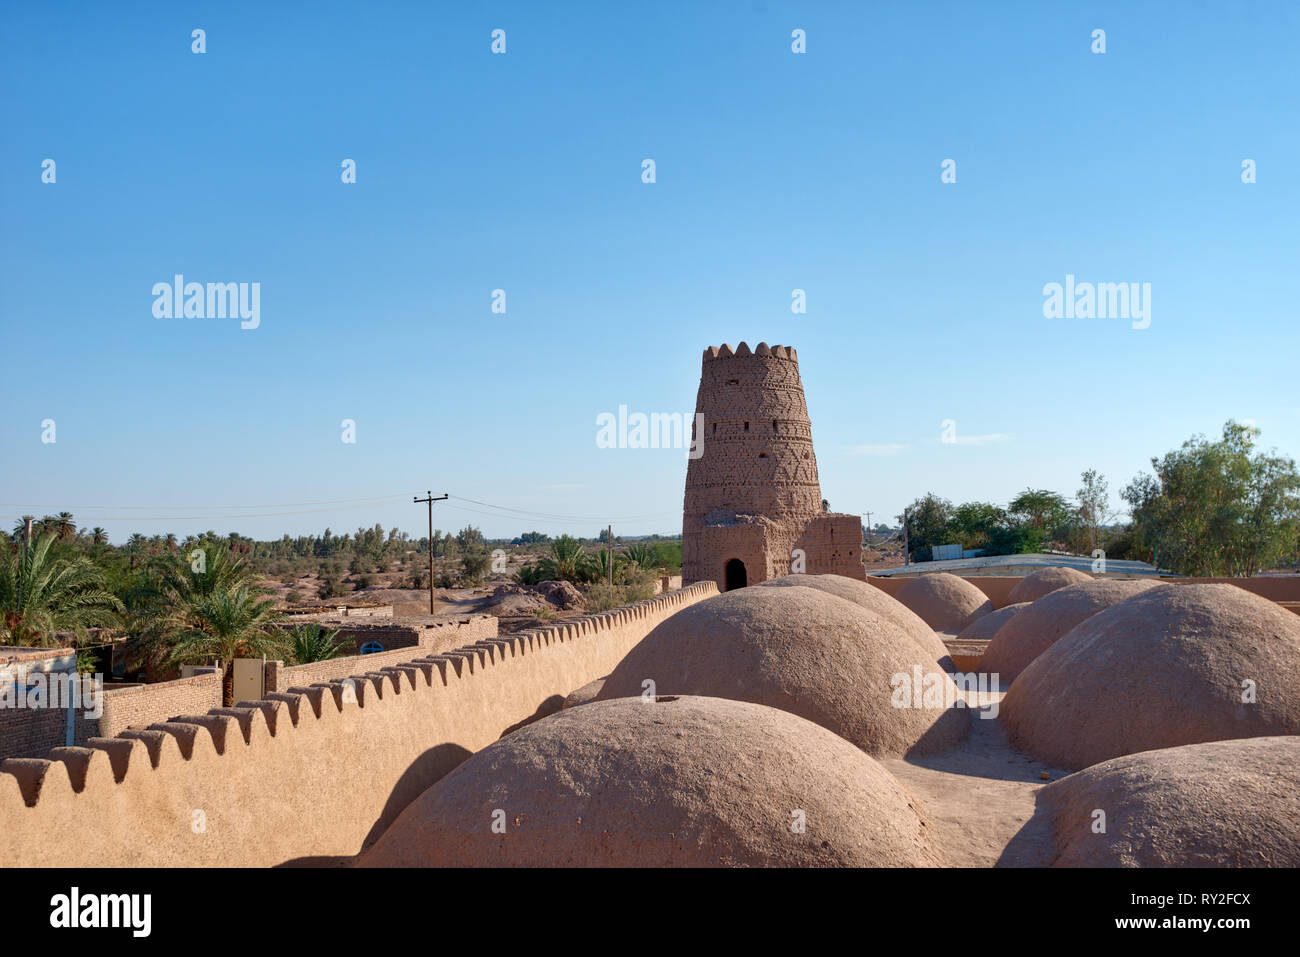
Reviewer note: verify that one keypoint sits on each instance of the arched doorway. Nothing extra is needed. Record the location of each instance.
(735, 575)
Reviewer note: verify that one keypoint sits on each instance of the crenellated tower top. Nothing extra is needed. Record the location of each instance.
(763, 350)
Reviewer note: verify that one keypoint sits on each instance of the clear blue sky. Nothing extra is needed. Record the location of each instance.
(522, 172)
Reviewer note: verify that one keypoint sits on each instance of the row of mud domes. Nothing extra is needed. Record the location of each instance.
(745, 730)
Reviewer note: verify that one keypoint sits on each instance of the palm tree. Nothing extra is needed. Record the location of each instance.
(181, 583)
(98, 536)
(228, 623)
(40, 596)
(64, 525)
(134, 547)
(311, 642)
(642, 554)
(567, 561)
(600, 562)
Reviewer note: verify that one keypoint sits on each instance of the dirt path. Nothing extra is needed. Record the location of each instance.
(980, 799)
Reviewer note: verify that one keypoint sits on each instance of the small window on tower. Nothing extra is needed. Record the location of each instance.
(733, 382)
(762, 455)
(774, 428)
(746, 426)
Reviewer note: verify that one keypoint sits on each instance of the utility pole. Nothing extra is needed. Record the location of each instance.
(430, 500)
(609, 534)
(907, 555)
(868, 529)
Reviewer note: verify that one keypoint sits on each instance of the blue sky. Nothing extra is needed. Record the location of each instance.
(522, 172)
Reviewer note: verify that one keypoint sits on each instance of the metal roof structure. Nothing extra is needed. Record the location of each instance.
(1022, 565)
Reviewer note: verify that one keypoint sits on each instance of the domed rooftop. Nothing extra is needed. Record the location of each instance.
(985, 627)
(1037, 584)
(1221, 804)
(944, 602)
(874, 600)
(672, 782)
(803, 651)
(1030, 633)
(1173, 665)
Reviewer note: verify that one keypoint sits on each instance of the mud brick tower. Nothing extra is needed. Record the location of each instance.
(753, 500)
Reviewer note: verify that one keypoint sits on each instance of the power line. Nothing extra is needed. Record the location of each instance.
(563, 518)
(213, 516)
(338, 505)
(477, 511)
(376, 499)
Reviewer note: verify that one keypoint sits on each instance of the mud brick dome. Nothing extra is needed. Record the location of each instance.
(752, 495)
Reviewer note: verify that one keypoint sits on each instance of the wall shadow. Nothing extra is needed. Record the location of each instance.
(430, 767)
(1034, 845)
(551, 705)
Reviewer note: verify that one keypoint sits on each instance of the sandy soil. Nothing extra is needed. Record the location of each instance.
(980, 797)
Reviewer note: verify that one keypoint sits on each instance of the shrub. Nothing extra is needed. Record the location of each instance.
(330, 588)
(475, 565)
(603, 596)
(530, 574)
(668, 556)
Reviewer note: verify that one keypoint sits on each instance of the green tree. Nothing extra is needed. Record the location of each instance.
(567, 561)
(41, 596)
(475, 564)
(975, 523)
(1014, 539)
(469, 537)
(926, 522)
(228, 623)
(1218, 508)
(312, 642)
(642, 554)
(177, 585)
(530, 574)
(599, 565)
(1040, 509)
(668, 555)
(1094, 507)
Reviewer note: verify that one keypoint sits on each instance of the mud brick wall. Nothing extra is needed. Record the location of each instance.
(315, 772)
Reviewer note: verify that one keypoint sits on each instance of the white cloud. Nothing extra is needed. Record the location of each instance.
(988, 439)
(891, 448)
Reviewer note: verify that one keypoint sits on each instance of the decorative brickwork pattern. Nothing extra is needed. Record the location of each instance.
(753, 495)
